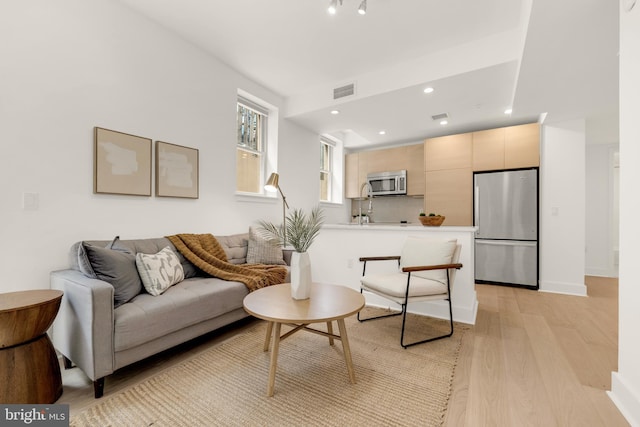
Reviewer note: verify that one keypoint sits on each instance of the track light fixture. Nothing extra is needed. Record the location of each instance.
(362, 9)
(333, 7)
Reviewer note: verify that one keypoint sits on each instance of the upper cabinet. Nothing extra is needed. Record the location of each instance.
(522, 146)
(351, 182)
(448, 152)
(510, 147)
(409, 157)
(488, 150)
(415, 170)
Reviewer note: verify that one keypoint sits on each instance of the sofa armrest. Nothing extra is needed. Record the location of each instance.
(83, 329)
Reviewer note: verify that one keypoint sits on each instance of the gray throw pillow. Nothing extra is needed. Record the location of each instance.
(261, 251)
(117, 268)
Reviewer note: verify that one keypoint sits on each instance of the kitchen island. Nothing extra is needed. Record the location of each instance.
(335, 253)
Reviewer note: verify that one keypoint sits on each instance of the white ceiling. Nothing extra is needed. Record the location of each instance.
(480, 56)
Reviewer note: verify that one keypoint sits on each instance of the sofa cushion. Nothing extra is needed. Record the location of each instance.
(152, 246)
(235, 247)
(195, 300)
(261, 251)
(159, 271)
(115, 267)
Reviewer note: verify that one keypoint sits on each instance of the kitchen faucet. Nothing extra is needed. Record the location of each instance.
(370, 209)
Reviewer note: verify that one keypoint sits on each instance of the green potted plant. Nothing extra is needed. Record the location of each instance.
(298, 231)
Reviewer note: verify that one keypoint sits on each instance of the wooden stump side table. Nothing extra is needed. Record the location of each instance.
(29, 367)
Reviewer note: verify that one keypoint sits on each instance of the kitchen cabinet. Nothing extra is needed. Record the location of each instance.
(448, 177)
(384, 160)
(448, 152)
(409, 158)
(522, 146)
(449, 192)
(351, 183)
(488, 149)
(415, 170)
(509, 147)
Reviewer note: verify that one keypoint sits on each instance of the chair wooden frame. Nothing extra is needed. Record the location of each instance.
(407, 299)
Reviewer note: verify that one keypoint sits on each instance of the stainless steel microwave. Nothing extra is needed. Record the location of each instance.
(387, 183)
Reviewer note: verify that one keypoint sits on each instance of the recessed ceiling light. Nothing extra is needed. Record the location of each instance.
(334, 112)
(508, 111)
(443, 122)
(383, 132)
(428, 90)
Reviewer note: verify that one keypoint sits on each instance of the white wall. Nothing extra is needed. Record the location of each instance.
(562, 204)
(625, 385)
(70, 65)
(600, 212)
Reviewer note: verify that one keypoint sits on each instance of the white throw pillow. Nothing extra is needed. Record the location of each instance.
(159, 271)
(419, 252)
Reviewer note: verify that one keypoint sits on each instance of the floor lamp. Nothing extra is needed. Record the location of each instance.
(272, 185)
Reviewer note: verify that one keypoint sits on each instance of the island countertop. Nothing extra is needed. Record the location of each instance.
(398, 226)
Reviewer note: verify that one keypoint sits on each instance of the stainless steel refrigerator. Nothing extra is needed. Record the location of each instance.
(506, 217)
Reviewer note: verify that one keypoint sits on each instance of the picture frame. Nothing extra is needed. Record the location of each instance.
(122, 163)
(176, 171)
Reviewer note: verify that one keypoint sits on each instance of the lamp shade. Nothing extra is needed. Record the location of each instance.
(272, 183)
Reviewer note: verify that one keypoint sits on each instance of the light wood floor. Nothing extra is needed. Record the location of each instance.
(539, 359)
(532, 359)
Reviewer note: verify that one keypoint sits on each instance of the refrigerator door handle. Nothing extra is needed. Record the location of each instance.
(476, 207)
(507, 242)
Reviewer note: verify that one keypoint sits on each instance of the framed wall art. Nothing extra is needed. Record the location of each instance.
(176, 171)
(122, 163)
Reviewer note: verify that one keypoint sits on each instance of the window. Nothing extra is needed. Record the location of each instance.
(326, 166)
(252, 121)
(330, 170)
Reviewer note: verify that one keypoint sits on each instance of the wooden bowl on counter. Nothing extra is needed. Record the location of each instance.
(432, 221)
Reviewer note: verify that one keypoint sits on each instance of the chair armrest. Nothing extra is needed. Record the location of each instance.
(379, 258)
(83, 329)
(457, 266)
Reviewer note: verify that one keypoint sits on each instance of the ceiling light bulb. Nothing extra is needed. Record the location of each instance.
(508, 111)
(363, 7)
(443, 122)
(334, 112)
(333, 5)
(428, 90)
(382, 132)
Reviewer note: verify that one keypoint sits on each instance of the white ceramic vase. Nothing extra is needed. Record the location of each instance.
(300, 275)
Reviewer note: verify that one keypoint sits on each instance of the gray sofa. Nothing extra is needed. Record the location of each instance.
(100, 334)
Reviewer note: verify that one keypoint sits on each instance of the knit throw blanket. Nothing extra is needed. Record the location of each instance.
(206, 253)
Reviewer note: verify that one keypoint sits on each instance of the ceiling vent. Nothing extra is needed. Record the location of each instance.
(347, 90)
(441, 116)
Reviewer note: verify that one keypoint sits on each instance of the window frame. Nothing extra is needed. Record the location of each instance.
(324, 142)
(336, 177)
(269, 141)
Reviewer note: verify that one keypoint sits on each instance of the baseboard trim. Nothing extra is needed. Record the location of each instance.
(601, 272)
(625, 399)
(577, 289)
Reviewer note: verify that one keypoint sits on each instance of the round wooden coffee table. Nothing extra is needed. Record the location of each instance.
(326, 304)
(29, 368)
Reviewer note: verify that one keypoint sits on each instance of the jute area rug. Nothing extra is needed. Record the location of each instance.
(226, 384)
